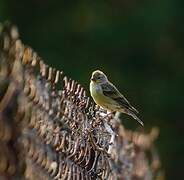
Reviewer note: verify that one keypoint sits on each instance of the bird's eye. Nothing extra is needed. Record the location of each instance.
(98, 78)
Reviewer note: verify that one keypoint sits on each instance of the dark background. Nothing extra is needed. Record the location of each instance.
(138, 44)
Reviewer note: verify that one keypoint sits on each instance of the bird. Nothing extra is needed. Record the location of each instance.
(107, 96)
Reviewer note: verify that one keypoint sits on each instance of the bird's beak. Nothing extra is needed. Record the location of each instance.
(92, 79)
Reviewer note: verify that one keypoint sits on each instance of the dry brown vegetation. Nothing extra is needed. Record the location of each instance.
(50, 129)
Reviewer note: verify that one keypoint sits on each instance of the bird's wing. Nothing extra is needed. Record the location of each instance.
(111, 91)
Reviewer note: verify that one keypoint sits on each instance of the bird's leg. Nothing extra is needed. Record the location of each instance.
(109, 115)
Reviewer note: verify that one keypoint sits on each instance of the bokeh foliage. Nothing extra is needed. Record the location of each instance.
(139, 44)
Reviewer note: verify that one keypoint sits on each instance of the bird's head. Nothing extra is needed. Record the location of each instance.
(98, 77)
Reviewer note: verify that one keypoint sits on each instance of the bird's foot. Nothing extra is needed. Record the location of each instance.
(109, 115)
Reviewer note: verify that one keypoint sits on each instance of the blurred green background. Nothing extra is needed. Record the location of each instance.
(138, 44)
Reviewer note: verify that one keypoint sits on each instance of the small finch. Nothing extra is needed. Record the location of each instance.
(106, 95)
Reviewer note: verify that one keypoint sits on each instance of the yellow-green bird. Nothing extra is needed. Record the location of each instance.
(106, 95)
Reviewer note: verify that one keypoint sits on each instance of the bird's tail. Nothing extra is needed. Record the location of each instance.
(135, 117)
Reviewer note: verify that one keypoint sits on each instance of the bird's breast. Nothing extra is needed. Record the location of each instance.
(97, 95)
(95, 89)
